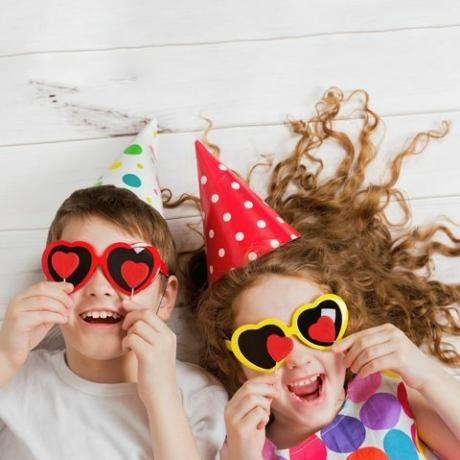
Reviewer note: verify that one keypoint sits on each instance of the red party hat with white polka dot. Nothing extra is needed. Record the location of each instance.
(238, 225)
(136, 168)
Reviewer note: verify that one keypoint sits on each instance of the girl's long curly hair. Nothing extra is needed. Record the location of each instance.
(348, 244)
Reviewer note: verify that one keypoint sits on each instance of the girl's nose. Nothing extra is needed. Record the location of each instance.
(300, 356)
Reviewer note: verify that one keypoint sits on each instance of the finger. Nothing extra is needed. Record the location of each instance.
(371, 354)
(43, 303)
(364, 343)
(243, 407)
(46, 285)
(382, 363)
(271, 378)
(146, 315)
(262, 389)
(271, 390)
(36, 318)
(59, 291)
(256, 419)
(145, 332)
(263, 423)
(348, 341)
(135, 343)
(130, 305)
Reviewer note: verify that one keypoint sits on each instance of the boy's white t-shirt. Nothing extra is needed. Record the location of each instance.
(47, 412)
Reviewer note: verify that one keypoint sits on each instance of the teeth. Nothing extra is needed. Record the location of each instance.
(101, 314)
(312, 379)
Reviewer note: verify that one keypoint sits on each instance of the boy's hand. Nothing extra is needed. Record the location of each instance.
(246, 416)
(386, 348)
(29, 317)
(154, 345)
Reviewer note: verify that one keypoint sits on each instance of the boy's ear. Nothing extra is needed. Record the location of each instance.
(168, 301)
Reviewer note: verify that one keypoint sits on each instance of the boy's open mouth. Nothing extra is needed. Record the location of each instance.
(307, 389)
(101, 317)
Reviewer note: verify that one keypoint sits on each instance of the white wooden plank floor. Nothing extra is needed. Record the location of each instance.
(77, 80)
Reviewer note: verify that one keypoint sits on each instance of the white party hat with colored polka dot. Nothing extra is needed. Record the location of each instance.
(136, 168)
(238, 225)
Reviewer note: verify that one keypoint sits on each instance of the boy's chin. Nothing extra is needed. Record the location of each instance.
(106, 351)
(99, 350)
(105, 355)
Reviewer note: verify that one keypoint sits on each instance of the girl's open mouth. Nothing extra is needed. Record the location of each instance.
(309, 390)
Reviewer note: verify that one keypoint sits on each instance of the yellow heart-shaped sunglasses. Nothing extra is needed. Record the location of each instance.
(264, 346)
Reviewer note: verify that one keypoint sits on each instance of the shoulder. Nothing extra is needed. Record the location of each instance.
(204, 399)
(197, 385)
(194, 376)
(38, 362)
(37, 371)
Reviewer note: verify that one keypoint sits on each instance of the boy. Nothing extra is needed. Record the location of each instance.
(116, 391)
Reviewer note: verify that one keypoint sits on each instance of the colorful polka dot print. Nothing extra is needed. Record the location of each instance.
(375, 423)
(136, 168)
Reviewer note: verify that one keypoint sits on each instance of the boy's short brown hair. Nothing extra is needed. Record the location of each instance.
(122, 208)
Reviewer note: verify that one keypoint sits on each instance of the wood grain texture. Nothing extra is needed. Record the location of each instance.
(41, 176)
(72, 96)
(50, 25)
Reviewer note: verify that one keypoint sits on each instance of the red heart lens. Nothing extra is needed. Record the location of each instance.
(279, 347)
(321, 325)
(66, 261)
(134, 273)
(323, 330)
(131, 268)
(262, 346)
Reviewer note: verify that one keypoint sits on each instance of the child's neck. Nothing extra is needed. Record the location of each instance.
(118, 370)
(286, 433)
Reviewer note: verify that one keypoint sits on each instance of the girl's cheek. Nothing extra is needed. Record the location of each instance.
(335, 369)
(249, 373)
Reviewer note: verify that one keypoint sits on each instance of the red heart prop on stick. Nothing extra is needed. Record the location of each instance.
(134, 273)
(64, 263)
(323, 330)
(279, 347)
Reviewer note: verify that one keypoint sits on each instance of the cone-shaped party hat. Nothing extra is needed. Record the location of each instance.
(238, 225)
(136, 168)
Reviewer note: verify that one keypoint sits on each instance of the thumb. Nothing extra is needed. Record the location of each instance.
(67, 287)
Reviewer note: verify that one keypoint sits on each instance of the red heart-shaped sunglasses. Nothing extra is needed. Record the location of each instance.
(129, 268)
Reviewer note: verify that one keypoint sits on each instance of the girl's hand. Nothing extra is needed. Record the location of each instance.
(246, 416)
(386, 348)
(29, 317)
(154, 345)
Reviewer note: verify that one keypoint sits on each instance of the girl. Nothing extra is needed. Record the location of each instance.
(294, 397)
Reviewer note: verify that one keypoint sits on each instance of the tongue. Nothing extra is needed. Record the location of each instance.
(102, 320)
(302, 390)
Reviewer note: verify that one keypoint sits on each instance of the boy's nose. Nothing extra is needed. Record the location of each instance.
(98, 285)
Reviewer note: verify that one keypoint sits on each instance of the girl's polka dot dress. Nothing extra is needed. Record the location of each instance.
(375, 423)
